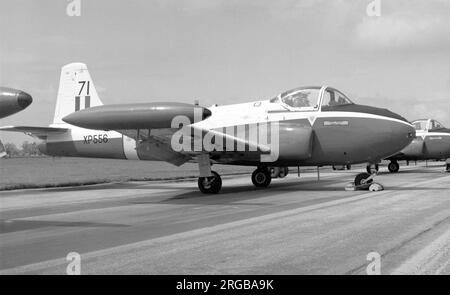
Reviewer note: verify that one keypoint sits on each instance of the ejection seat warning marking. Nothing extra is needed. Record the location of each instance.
(335, 123)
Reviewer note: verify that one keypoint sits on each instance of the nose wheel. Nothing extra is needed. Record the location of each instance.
(261, 177)
(363, 178)
(211, 184)
(364, 181)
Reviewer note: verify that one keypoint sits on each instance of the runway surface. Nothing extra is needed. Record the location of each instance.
(296, 226)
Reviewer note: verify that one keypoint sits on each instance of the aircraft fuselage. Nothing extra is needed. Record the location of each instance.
(326, 137)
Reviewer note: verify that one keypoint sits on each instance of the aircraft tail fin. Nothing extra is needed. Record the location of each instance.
(76, 91)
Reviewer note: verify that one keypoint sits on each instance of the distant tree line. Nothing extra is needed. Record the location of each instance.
(27, 149)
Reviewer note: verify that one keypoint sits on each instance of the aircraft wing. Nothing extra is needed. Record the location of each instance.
(158, 143)
(38, 132)
(154, 122)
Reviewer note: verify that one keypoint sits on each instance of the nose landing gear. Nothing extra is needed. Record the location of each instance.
(370, 167)
(364, 181)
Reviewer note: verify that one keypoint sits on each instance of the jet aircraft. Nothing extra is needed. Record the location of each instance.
(2, 150)
(432, 142)
(306, 126)
(13, 101)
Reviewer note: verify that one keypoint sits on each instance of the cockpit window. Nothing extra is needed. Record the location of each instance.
(332, 97)
(420, 125)
(301, 98)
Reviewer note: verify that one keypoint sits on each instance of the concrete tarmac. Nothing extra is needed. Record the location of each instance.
(296, 226)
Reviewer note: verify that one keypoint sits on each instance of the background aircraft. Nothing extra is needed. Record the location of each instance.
(315, 126)
(432, 142)
(2, 150)
(13, 101)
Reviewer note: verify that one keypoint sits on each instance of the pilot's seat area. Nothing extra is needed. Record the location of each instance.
(429, 125)
(309, 98)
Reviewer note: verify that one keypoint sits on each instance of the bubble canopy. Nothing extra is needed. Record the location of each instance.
(310, 98)
(427, 124)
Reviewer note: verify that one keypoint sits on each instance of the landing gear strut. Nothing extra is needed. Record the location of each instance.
(261, 177)
(363, 178)
(393, 166)
(371, 167)
(211, 184)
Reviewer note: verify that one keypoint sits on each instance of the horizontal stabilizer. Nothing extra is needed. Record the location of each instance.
(38, 132)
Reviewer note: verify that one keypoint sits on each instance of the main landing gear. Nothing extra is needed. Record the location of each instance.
(261, 177)
(211, 184)
(393, 166)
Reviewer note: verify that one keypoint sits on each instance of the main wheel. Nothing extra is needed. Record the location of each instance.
(393, 167)
(261, 177)
(360, 177)
(275, 172)
(369, 170)
(284, 171)
(210, 185)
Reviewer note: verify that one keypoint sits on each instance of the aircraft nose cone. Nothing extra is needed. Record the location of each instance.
(24, 99)
(402, 134)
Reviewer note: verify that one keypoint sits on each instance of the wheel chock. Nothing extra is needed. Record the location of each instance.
(376, 187)
(373, 187)
(350, 187)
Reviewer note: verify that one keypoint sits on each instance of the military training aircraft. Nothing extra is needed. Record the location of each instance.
(2, 150)
(13, 101)
(432, 142)
(306, 126)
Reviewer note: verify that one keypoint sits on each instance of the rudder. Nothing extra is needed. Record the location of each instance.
(76, 91)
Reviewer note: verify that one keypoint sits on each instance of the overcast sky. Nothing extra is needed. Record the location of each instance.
(229, 51)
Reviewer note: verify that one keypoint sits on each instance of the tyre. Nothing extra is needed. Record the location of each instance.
(284, 171)
(393, 167)
(360, 177)
(261, 177)
(274, 172)
(210, 185)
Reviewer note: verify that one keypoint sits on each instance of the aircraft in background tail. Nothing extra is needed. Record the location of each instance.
(306, 126)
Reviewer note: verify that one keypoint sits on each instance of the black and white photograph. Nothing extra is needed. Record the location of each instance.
(224, 143)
